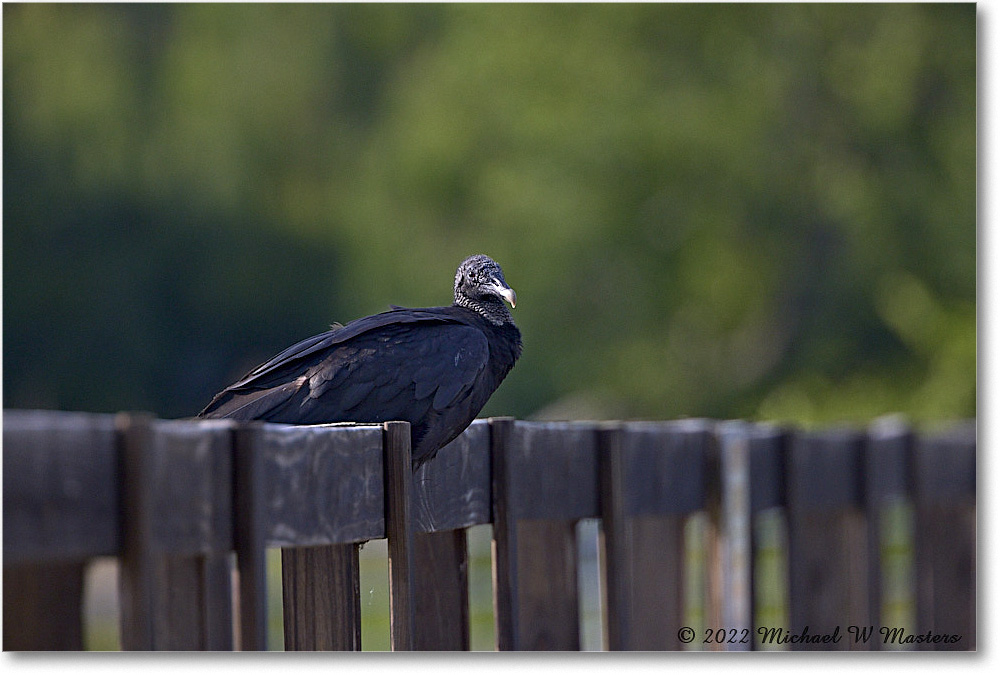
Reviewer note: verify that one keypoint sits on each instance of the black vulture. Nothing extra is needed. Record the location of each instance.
(433, 367)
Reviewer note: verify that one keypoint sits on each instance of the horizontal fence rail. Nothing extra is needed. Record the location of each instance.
(189, 507)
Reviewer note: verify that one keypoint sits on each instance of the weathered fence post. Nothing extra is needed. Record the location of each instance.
(888, 452)
(655, 477)
(43, 606)
(441, 590)
(333, 501)
(249, 535)
(616, 538)
(768, 459)
(60, 507)
(323, 495)
(399, 532)
(175, 582)
(944, 492)
(827, 547)
(545, 480)
(321, 598)
(136, 573)
(450, 493)
(505, 586)
(733, 594)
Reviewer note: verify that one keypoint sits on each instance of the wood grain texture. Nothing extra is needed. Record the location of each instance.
(545, 478)
(137, 572)
(399, 533)
(321, 598)
(191, 498)
(192, 603)
(553, 470)
(643, 554)
(657, 586)
(665, 467)
(322, 484)
(218, 594)
(827, 538)
(453, 490)
(171, 599)
(944, 484)
(43, 606)
(60, 486)
(548, 601)
(827, 564)
(249, 535)
(441, 590)
(504, 545)
(178, 617)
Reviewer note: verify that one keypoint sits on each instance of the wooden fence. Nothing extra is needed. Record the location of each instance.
(175, 500)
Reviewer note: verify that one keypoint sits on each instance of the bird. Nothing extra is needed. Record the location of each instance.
(434, 367)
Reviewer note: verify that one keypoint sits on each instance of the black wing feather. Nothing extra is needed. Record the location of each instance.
(395, 365)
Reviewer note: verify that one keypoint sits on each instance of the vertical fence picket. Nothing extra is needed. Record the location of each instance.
(175, 594)
(544, 480)
(734, 522)
(615, 534)
(399, 532)
(249, 524)
(658, 582)
(450, 493)
(60, 507)
(768, 449)
(217, 597)
(888, 449)
(322, 495)
(944, 487)
(827, 541)
(43, 606)
(505, 581)
(655, 476)
(178, 622)
(137, 574)
(441, 590)
(193, 534)
(321, 598)
(548, 594)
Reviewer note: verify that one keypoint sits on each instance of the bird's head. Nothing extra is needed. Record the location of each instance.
(480, 286)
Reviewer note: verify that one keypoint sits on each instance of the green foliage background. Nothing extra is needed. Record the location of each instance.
(763, 211)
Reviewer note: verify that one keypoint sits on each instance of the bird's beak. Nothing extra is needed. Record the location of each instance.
(505, 292)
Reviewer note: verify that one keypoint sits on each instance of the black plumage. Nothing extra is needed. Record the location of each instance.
(433, 367)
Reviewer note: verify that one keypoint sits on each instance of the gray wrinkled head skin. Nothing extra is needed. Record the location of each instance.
(480, 286)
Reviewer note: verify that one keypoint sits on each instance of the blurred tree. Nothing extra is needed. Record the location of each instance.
(759, 211)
